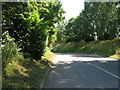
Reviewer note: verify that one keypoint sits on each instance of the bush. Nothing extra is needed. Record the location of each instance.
(32, 24)
(10, 51)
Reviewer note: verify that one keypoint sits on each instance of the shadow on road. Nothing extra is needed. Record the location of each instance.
(83, 71)
(81, 74)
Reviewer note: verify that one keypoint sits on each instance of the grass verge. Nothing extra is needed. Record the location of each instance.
(110, 48)
(27, 74)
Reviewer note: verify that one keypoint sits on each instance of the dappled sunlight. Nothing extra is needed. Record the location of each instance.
(63, 81)
(81, 75)
(83, 71)
(80, 57)
(67, 67)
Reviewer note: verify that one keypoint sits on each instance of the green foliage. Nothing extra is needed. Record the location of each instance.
(26, 75)
(98, 21)
(61, 37)
(32, 24)
(18, 72)
(105, 48)
(10, 51)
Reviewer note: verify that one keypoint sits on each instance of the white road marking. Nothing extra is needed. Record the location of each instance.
(65, 58)
(106, 71)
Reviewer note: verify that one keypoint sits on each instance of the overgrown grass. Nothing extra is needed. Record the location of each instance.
(20, 73)
(105, 48)
(28, 74)
(24, 75)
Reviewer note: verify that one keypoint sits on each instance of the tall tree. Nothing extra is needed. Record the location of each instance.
(32, 24)
(99, 20)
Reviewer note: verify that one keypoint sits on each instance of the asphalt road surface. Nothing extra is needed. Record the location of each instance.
(83, 71)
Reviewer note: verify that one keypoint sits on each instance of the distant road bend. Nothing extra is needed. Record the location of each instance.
(83, 71)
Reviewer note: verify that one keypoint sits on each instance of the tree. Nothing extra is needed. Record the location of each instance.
(99, 20)
(32, 24)
(61, 34)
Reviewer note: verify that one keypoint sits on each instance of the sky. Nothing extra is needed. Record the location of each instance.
(72, 7)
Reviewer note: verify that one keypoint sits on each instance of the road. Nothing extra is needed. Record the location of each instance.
(83, 71)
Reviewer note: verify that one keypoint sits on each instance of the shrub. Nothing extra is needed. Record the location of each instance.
(10, 51)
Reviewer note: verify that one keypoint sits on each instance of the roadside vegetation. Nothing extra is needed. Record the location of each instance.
(95, 31)
(20, 72)
(27, 36)
(31, 29)
(24, 75)
(109, 48)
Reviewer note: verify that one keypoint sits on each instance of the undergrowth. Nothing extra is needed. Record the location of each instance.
(19, 72)
(104, 48)
(24, 75)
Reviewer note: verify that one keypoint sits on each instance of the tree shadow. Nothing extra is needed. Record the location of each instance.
(83, 74)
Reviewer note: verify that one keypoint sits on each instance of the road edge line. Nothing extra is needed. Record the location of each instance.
(106, 71)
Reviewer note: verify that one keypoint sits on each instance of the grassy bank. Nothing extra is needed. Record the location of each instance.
(109, 48)
(27, 73)
(20, 70)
